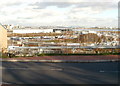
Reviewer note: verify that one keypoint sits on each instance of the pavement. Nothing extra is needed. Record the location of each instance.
(72, 58)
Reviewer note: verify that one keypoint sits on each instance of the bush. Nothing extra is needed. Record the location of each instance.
(4, 55)
(8, 55)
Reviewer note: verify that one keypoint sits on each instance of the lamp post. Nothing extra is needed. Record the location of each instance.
(1, 53)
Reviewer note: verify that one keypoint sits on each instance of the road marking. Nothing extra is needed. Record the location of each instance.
(57, 69)
(102, 71)
(1, 67)
(5, 83)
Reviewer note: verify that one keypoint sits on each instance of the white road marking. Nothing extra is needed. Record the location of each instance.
(102, 71)
(57, 69)
(5, 83)
(1, 67)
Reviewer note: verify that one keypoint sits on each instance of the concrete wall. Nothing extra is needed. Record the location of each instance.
(3, 38)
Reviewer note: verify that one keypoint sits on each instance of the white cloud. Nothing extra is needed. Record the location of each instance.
(52, 12)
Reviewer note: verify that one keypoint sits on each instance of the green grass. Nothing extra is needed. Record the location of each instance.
(58, 54)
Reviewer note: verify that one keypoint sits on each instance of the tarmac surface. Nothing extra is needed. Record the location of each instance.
(60, 73)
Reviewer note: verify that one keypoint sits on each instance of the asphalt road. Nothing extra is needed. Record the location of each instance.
(59, 73)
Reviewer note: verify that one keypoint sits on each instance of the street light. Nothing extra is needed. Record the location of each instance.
(0, 52)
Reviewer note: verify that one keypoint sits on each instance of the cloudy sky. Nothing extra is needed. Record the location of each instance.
(59, 13)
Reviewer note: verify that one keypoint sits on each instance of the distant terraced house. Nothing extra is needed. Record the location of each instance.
(3, 38)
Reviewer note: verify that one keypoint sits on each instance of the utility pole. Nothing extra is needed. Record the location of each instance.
(1, 53)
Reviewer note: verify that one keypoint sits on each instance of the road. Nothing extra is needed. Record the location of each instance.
(59, 73)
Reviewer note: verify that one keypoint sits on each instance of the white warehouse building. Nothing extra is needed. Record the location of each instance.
(32, 30)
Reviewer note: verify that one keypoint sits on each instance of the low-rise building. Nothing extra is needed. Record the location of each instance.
(3, 38)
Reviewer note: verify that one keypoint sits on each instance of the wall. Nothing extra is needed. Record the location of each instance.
(3, 38)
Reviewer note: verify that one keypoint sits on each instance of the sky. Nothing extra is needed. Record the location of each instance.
(87, 13)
